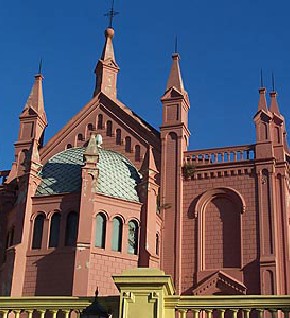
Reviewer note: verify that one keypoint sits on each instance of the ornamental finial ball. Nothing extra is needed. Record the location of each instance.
(109, 33)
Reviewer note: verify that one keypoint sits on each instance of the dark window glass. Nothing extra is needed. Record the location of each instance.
(128, 144)
(118, 137)
(54, 230)
(37, 232)
(100, 230)
(117, 235)
(109, 131)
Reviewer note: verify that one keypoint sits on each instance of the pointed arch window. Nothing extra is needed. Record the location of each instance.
(109, 131)
(54, 230)
(101, 224)
(38, 232)
(128, 144)
(117, 234)
(100, 121)
(71, 231)
(118, 137)
(133, 237)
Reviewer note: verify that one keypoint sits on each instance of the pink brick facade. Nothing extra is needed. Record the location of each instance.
(217, 220)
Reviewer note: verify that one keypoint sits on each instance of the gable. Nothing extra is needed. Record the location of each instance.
(121, 129)
(220, 283)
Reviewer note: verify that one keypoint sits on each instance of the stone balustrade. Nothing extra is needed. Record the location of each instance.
(220, 155)
(54, 307)
(229, 306)
(149, 293)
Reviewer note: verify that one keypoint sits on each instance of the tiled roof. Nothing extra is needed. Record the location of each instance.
(117, 175)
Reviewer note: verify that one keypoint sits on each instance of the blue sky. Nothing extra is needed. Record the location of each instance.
(223, 45)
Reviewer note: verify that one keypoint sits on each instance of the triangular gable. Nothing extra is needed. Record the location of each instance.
(116, 111)
(220, 283)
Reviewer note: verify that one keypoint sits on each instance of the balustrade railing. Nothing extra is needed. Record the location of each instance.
(55, 307)
(220, 155)
(245, 306)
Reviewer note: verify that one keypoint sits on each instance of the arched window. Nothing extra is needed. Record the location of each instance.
(37, 232)
(109, 131)
(117, 234)
(80, 137)
(71, 231)
(90, 127)
(54, 230)
(137, 153)
(68, 146)
(157, 244)
(132, 237)
(128, 144)
(100, 121)
(118, 137)
(100, 230)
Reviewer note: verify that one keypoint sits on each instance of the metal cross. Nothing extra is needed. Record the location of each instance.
(111, 14)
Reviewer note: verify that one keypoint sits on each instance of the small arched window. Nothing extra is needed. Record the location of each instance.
(54, 230)
(109, 131)
(37, 232)
(100, 230)
(100, 121)
(117, 234)
(71, 231)
(90, 127)
(118, 137)
(128, 144)
(137, 153)
(157, 244)
(80, 137)
(68, 146)
(132, 237)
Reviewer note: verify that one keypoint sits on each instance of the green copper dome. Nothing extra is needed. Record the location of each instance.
(117, 178)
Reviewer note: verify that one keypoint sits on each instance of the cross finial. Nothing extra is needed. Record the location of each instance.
(261, 78)
(273, 82)
(111, 14)
(40, 67)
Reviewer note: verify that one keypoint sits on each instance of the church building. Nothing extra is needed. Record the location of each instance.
(109, 192)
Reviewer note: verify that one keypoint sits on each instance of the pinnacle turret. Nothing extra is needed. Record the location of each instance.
(175, 79)
(274, 107)
(107, 69)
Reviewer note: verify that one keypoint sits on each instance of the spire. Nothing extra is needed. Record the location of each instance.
(107, 69)
(262, 105)
(175, 75)
(35, 100)
(274, 108)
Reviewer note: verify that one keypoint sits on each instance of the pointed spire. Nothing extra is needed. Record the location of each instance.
(262, 105)
(274, 107)
(108, 50)
(107, 68)
(175, 78)
(35, 100)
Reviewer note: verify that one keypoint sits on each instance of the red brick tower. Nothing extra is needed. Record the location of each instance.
(174, 142)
